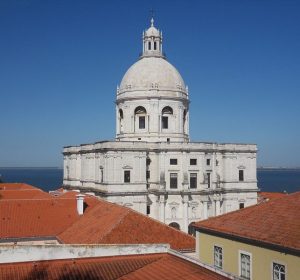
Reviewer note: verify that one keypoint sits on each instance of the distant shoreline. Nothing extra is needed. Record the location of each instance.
(278, 168)
(258, 168)
(31, 168)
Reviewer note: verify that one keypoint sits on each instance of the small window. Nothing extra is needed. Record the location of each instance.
(142, 122)
(155, 46)
(173, 161)
(165, 123)
(242, 205)
(278, 271)
(148, 174)
(127, 176)
(173, 180)
(148, 209)
(193, 161)
(218, 257)
(241, 175)
(245, 266)
(207, 161)
(168, 140)
(149, 45)
(148, 161)
(193, 180)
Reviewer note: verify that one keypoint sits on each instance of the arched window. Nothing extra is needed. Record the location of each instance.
(191, 229)
(184, 120)
(155, 46)
(165, 118)
(149, 45)
(175, 225)
(141, 112)
(121, 116)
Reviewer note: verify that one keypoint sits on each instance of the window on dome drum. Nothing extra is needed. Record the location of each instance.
(155, 46)
(245, 266)
(126, 176)
(218, 257)
(241, 175)
(193, 180)
(193, 161)
(173, 161)
(149, 45)
(165, 119)
(242, 205)
(142, 123)
(164, 122)
(173, 180)
(278, 271)
(207, 161)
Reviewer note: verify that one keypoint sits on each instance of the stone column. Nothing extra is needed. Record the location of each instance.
(185, 201)
(162, 203)
(205, 216)
(217, 207)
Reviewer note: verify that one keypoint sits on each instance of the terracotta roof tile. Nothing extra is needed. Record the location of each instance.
(154, 266)
(108, 223)
(263, 196)
(274, 222)
(102, 222)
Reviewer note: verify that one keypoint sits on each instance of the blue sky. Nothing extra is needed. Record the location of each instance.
(61, 61)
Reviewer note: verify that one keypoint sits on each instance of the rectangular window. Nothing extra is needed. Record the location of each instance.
(242, 205)
(193, 180)
(245, 266)
(207, 161)
(193, 161)
(208, 180)
(148, 209)
(142, 122)
(173, 180)
(165, 123)
(218, 257)
(127, 176)
(173, 161)
(155, 46)
(241, 175)
(148, 174)
(278, 271)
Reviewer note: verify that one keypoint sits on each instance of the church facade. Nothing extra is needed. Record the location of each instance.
(152, 166)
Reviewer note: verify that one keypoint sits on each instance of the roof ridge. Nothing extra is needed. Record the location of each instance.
(272, 201)
(115, 225)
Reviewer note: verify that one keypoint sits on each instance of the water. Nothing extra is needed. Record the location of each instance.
(43, 178)
(276, 180)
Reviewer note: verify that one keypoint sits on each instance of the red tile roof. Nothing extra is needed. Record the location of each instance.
(108, 223)
(276, 222)
(101, 223)
(265, 196)
(16, 186)
(152, 266)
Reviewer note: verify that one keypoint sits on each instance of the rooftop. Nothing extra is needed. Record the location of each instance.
(274, 223)
(158, 264)
(45, 215)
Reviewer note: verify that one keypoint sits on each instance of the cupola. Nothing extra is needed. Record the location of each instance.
(152, 41)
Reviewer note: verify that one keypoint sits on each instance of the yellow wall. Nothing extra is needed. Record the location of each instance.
(261, 258)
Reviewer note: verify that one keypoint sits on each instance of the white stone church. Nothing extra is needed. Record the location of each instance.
(152, 166)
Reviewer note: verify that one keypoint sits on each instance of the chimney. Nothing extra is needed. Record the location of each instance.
(80, 201)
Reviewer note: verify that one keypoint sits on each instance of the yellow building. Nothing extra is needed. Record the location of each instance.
(257, 242)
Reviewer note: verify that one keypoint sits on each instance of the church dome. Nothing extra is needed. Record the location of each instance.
(152, 72)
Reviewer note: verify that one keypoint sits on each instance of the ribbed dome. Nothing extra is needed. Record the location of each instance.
(152, 72)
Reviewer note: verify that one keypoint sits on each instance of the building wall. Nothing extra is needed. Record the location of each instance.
(262, 258)
(100, 168)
